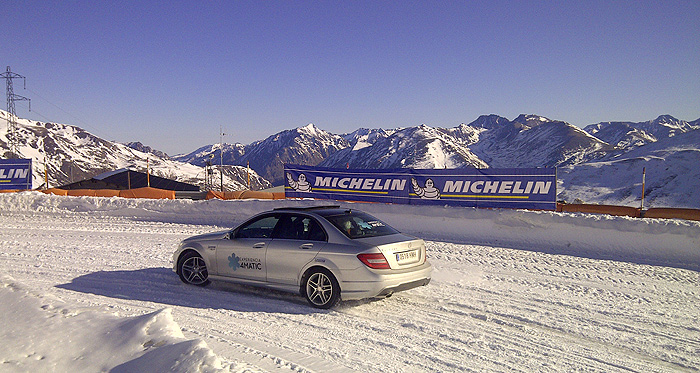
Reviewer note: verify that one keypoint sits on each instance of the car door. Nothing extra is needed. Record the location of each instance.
(295, 242)
(243, 254)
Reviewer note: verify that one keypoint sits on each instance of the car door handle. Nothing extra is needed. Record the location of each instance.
(307, 246)
(259, 245)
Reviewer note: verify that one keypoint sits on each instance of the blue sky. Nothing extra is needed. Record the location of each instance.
(169, 73)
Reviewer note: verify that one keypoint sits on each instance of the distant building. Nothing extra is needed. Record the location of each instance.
(129, 179)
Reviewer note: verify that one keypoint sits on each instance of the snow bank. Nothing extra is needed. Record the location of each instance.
(674, 242)
(47, 334)
(491, 308)
(671, 242)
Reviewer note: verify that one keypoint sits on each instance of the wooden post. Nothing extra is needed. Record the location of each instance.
(46, 174)
(644, 178)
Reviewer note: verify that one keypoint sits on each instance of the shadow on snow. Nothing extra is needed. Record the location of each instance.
(162, 285)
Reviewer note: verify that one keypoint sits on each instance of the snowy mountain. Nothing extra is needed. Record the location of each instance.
(672, 175)
(137, 145)
(626, 135)
(306, 145)
(489, 141)
(535, 141)
(414, 147)
(495, 141)
(601, 164)
(70, 153)
(213, 154)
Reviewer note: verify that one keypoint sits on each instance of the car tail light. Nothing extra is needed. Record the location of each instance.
(376, 261)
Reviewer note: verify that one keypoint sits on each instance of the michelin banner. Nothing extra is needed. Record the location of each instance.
(518, 188)
(15, 174)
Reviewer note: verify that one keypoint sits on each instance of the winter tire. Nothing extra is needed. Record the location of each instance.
(193, 270)
(321, 289)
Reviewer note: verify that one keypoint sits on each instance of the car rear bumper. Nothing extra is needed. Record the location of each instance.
(382, 283)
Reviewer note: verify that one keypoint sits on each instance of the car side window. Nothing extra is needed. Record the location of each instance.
(258, 228)
(297, 227)
(313, 231)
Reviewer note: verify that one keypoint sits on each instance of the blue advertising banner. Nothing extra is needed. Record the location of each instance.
(525, 188)
(15, 174)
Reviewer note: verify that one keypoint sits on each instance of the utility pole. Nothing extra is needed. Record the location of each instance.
(12, 140)
(221, 154)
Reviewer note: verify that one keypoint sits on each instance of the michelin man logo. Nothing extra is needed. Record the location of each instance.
(428, 192)
(301, 185)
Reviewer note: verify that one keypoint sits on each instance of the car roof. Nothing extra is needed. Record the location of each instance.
(328, 210)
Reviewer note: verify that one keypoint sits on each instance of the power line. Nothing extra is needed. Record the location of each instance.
(85, 125)
(12, 140)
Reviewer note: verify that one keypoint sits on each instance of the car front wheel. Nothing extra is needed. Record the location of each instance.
(321, 289)
(193, 270)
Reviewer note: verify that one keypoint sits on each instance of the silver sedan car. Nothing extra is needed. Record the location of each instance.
(324, 253)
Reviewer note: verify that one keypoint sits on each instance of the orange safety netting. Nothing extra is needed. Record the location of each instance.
(56, 191)
(11, 190)
(672, 213)
(245, 194)
(147, 192)
(603, 209)
(93, 192)
(224, 195)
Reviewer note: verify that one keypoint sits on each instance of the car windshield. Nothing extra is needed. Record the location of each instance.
(357, 224)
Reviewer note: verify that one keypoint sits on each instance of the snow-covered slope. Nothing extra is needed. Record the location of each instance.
(627, 135)
(672, 175)
(71, 154)
(213, 153)
(306, 145)
(415, 147)
(512, 290)
(536, 141)
(489, 141)
(146, 149)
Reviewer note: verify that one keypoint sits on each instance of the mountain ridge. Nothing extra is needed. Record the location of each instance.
(491, 140)
(529, 140)
(69, 153)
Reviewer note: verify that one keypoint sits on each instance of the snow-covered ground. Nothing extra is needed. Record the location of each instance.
(86, 285)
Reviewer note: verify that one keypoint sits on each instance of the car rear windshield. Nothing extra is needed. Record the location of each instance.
(357, 224)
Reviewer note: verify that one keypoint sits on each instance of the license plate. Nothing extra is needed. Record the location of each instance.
(407, 256)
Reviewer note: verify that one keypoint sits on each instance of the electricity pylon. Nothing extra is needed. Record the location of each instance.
(12, 138)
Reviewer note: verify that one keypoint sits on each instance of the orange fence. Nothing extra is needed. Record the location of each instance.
(147, 192)
(600, 209)
(93, 192)
(654, 212)
(11, 191)
(56, 191)
(154, 193)
(245, 194)
(671, 213)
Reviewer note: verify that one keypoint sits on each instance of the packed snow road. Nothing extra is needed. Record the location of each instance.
(488, 308)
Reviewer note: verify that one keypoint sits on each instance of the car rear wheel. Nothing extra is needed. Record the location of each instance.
(321, 289)
(193, 270)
